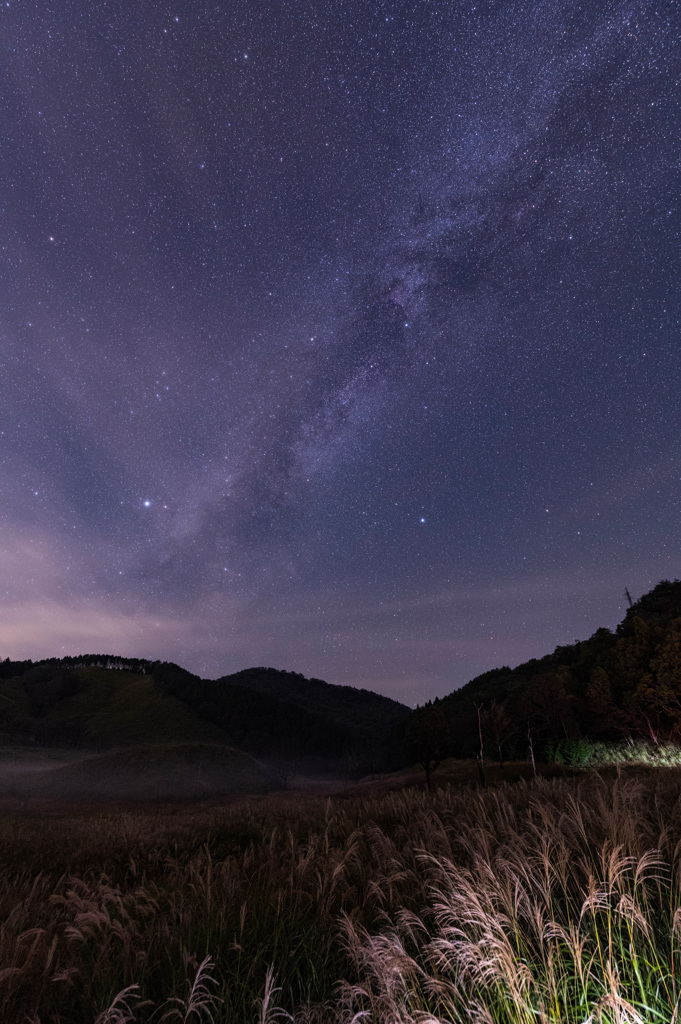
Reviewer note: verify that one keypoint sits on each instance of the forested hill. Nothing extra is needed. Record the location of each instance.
(621, 684)
(107, 700)
(264, 709)
(341, 704)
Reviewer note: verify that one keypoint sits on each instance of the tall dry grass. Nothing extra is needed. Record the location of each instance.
(544, 901)
(559, 902)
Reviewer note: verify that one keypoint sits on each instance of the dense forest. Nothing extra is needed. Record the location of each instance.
(617, 686)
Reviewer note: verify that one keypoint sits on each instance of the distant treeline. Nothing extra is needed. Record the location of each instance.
(616, 686)
(10, 669)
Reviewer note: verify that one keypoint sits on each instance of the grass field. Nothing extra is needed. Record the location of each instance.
(550, 900)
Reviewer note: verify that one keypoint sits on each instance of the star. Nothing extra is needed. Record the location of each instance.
(380, 232)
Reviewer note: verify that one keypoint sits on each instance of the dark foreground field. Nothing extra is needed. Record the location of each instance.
(549, 900)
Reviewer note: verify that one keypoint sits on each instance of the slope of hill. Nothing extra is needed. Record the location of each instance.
(624, 684)
(96, 707)
(347, 706)
(264, 710)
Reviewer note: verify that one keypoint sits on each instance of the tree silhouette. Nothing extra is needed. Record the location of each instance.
(426, 739)
(498, 726)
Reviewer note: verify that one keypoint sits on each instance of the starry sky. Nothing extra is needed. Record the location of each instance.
(340, 336)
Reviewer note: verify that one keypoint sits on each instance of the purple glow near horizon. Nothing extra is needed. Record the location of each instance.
(337, 337)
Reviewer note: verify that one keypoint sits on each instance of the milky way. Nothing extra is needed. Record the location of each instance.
(341, 336)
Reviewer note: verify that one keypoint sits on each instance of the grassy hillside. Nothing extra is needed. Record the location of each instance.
(96, 707)
(617, 686)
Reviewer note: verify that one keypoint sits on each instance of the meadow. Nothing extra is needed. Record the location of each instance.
(529, 901)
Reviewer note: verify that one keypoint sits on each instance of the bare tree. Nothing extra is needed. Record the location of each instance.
(499, 727)
(480, 756)
(529, 740)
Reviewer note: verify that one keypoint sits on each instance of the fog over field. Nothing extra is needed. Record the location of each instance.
(178, 772)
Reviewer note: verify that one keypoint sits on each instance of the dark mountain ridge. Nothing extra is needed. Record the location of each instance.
(619, 685)
(107, 700)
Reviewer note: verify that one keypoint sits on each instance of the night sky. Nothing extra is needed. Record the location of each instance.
(337, 336)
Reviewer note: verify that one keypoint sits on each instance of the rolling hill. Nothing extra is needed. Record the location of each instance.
(269, 711)
(617, 685)
(103, 702)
